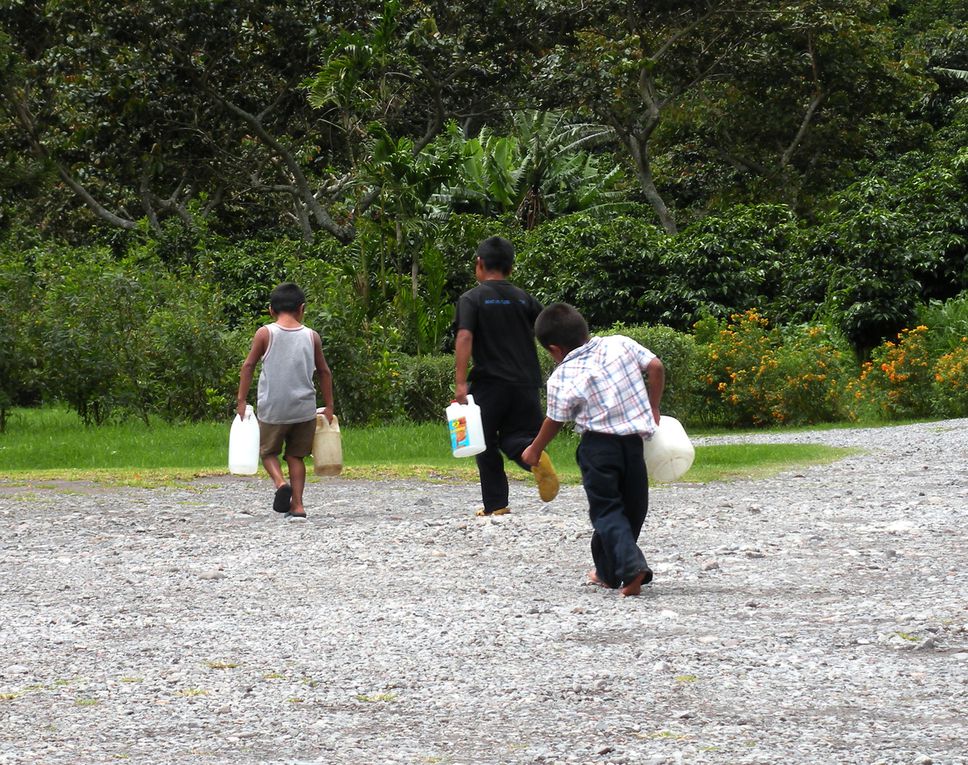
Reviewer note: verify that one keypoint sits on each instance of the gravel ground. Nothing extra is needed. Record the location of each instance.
(820, 616)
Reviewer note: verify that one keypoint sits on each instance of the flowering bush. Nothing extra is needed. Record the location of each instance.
(897, 382)
(761, 375)
(950, 384)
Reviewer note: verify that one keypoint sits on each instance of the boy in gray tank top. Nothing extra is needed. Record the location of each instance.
(292, 361)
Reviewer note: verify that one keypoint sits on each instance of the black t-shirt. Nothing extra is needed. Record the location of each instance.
(501, 316)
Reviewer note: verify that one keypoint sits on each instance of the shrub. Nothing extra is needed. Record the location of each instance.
(897, 382)
(761, 375)
(814, 364)
(610, 269)
(725, 263)
(950, 385)
(947, 322)
(18, 352)
(91, 332)
(426, 386)
(193, 361)
(891, 240)
(245, 272)
(362, 351)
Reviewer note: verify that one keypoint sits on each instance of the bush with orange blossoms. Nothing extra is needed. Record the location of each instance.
(950, 383)
(897, 382)
(760, 375)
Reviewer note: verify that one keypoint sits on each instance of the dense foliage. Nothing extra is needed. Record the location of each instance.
(164, 164)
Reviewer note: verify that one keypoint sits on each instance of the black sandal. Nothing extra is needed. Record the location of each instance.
(282, 499)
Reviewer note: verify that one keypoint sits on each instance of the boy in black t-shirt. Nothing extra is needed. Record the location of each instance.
(495, 327)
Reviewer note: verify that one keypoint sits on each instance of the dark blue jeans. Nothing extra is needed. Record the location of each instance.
(617, 485)
(511, 417)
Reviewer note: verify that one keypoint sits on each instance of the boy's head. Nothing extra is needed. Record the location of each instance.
(287, 298)
(561, 328)
(496, 254)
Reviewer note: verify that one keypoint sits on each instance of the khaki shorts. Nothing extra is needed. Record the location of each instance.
(297, 436)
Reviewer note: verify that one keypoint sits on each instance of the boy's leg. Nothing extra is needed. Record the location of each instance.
(299, 445)
(635, 487)
(271, 436)
(274, 469)
(602, 461)
(297, 480)
(635, 498)
(522, 422)
(490, 396)
(604, 570)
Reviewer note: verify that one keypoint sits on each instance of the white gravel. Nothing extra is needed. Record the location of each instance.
(820, 616)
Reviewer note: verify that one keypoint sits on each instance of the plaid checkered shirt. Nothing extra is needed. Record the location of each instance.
(599, 387)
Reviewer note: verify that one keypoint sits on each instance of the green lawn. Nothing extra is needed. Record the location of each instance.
(52, 443)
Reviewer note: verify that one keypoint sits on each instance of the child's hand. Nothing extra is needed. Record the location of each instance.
(530, 455)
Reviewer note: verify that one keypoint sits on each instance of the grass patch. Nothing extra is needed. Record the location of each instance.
(723, 462)
(51, 444)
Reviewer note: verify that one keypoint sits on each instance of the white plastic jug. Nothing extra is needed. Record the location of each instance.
(327, 447)
(466, 430)
(669, 453)
(244, 444)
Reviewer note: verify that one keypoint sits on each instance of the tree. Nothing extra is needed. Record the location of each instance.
(629, 63)
(118, 101)
(194, 112)
(547, 166)
(18, 351)
(820, 88)
(714, 100)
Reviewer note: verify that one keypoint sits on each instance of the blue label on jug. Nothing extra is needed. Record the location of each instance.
(458, 433)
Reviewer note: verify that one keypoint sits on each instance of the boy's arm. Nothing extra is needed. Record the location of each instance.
(549, 429)
(260, 342)
(462, 358)
(655, 384)
(324, 376)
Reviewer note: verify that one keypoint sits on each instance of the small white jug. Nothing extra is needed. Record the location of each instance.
(466, 430)
(327, 447)
(244, 444)
(669, 453)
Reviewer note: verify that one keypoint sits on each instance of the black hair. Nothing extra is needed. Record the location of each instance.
(497, 254)
(562, 325)
(286, 298)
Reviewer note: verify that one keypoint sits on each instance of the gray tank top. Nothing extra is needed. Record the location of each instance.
(286, 390)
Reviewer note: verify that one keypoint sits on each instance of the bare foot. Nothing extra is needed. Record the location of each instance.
(634, 586)
(594, 579)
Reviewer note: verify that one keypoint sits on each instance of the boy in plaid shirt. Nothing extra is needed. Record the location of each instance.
(598, 385)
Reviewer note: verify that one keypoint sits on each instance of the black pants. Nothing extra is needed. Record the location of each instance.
(617, 485)
(511, 417)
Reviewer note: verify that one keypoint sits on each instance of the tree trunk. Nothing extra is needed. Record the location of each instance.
(639, 150)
